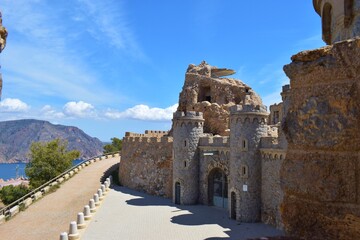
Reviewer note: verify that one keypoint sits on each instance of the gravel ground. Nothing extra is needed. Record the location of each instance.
(51, 215)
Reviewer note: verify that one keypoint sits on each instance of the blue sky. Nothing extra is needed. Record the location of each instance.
(112, 66)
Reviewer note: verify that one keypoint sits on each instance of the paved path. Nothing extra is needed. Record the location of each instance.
(51, 215)
(128, 214)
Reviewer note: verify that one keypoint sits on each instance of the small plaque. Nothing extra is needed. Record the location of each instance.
(245, 188)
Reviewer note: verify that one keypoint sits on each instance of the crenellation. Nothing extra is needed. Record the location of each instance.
(244, 109)
(188, 115)
(217, 141)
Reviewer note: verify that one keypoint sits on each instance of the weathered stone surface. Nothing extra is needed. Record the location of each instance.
(271, 192)
(146, 164)
(340, 19)
(3, 36)
(204, 91)
(320, 173)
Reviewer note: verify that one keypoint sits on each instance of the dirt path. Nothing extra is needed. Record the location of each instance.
(51, 215)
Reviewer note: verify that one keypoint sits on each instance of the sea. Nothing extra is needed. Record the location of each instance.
(17, 170)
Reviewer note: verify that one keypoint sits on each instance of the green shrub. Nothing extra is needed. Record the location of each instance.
(9, 194)
(115, 146)
(48, 160)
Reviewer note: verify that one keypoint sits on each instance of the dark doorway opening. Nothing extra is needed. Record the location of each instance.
(233, 205)
(218, 189)
(177, 193)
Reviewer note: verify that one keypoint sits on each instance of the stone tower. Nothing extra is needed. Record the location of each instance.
(3, 35)
(340, 19)
(187, 129)
(248, 125)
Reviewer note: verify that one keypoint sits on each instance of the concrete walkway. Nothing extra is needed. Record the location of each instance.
(128, 214)
(51, 215)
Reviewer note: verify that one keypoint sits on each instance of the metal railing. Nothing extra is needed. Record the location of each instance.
(6, 210)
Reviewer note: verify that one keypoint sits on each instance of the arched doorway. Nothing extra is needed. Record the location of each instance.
(177, 193)
(233, 205)
(218, 188)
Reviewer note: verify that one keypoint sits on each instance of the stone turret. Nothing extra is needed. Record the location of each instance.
(340, 19)
(187, 130)
(248, 123)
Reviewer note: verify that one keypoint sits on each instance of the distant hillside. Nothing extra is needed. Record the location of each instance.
(17, 136)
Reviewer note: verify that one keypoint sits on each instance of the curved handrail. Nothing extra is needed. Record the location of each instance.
(5, 210)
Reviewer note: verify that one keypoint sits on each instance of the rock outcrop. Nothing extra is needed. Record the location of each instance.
(320, 174)
(204, 91)
(17, 136)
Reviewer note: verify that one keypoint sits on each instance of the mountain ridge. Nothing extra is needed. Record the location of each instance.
(16, 137)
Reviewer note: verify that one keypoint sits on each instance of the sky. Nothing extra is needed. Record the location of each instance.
(113, 66)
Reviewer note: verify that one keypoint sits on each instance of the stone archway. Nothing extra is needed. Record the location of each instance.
(218, 188)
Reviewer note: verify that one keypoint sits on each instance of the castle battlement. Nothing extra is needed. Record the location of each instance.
(244, 109)
(155, 132)
(188, 114)
(148, 133)
(141, 139)
(214, 141)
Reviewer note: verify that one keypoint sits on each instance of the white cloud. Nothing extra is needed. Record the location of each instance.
(144, 112)
(49, 113)
(13, 105)
(42, 54)
(79, 109)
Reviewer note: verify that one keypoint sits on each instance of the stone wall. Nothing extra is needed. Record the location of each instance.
(271, 192)
(320, 174)
(276, 113)
(146, 164)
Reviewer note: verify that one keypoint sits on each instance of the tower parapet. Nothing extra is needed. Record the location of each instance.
(187, 130)
(340, 19)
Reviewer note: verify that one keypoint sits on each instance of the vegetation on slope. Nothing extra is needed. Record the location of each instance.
(115, 146)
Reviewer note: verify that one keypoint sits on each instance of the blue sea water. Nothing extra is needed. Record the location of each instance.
(13, 170)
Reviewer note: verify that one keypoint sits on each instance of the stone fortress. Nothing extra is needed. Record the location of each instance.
(223, 149)
(295, 167)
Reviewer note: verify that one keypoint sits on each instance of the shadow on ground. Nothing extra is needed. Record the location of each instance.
(195, 215)
(109, 171)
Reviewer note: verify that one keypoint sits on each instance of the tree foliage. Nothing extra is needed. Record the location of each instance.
(115, 146)
(48, 160)
(9, 194)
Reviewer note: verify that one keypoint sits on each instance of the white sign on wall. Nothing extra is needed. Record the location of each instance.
(245, 188)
